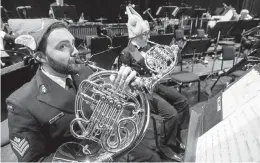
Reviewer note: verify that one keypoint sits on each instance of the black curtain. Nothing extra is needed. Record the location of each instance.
(111, 8)
(253, 6)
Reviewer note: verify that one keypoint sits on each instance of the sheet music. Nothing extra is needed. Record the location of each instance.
(235, 139)
(239, 93)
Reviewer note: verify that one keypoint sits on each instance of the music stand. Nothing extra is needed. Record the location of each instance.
(24, 12)
(105, 59)
(184, 11)
(197, 13)
(221, 27)
(64, 12)
(241, 25)
(167, 11)
(194, 47)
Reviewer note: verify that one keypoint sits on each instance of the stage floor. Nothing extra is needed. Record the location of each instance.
(203, 70)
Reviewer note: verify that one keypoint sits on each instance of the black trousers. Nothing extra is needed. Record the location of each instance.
(179, 102)
(174, 108)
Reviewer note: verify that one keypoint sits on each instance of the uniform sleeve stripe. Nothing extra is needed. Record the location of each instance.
(20, 148)
(18, 144)
(24, 145)
(23, 151)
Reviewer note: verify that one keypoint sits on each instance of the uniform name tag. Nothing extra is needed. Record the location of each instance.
(57, 117)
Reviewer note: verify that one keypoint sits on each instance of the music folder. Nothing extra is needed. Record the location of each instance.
(227, 128)
(64, 12)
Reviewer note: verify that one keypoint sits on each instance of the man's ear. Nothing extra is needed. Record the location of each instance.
(40, 56)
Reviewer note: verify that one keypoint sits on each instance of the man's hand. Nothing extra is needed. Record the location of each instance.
(124, 77)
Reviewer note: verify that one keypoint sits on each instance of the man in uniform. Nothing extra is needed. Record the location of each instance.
(133, 56)
(40, 112)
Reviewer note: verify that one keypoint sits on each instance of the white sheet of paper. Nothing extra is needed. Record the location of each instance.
(241, 92)
(235, 139)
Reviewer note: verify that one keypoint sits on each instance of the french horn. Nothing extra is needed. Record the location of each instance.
(117, 122)
(119, 118)
(161, 61)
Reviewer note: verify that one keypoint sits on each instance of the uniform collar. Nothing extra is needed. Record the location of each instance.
(136, 45)
(53, 94)
(59, 80)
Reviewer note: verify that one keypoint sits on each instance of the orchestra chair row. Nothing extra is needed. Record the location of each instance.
(183, 77)
(228, 54)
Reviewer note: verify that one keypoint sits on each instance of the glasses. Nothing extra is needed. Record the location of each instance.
(146, 33)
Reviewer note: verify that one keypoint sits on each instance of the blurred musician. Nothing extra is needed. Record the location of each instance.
(5, 37)
(57, 3)
(4, 55)
(228, 15)
(244, 15)
(168, 103)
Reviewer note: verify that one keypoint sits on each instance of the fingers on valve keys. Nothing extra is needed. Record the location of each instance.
(125, 77)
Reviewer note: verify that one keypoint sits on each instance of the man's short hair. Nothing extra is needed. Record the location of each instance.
(43, 44)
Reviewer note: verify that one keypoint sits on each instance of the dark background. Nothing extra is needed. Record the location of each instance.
(110, 8)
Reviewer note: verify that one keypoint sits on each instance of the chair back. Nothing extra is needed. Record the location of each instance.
(228, 53)
(201, 33)
(179, 34)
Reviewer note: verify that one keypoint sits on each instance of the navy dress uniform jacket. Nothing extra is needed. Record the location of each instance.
(39, 116)
(131, 56)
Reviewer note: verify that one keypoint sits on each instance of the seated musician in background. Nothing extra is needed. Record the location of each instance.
(133, 56)
(57, 3)
(40, 112)
(6, 37)
(228, 15)
(244, 15)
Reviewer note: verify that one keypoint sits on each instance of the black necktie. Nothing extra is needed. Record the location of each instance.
(70, 86)
(140, 49)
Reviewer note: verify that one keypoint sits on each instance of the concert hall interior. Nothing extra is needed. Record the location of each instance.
(130, 80)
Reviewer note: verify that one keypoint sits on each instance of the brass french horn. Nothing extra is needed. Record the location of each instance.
(161, 61)
(119, 118)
